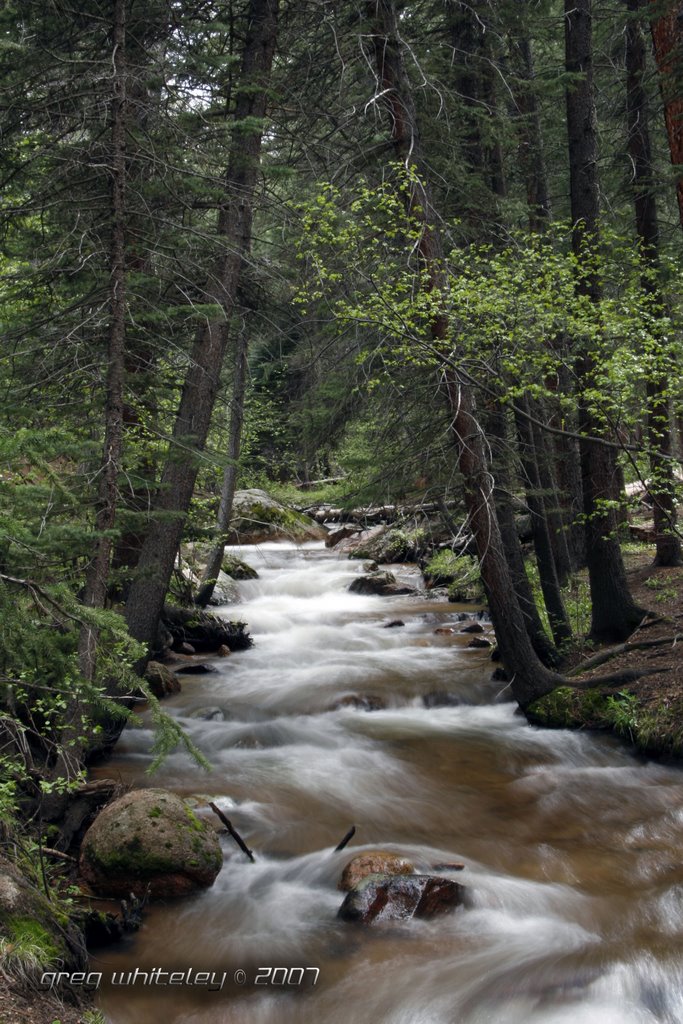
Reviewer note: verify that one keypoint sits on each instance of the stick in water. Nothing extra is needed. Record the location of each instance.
(347, 839)
(235, 835)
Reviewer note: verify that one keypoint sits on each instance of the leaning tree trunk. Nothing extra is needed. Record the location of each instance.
(667, 36)
(529, 677)
(527, 117)
(155, 567)
(496, 427)
(614, 613)
(540, 526)
(239, 387)
(662, 486)
(97, 575)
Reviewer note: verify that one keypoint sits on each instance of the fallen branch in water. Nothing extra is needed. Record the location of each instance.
(347, 839)
(233, 832)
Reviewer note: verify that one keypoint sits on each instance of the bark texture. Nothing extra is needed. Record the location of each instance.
(667, 36)
(239, 388)
(530, 678)
(662, 486)
(146, 597)
(614, 613)
(97, 575)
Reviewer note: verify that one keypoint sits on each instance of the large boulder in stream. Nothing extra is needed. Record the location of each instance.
(257, 517)
(149, 838)
(385, 543)
(383, 584)
(379, 898)
(373, 862)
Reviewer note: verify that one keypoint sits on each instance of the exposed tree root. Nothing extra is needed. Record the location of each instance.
(628, 675)
(625, 648)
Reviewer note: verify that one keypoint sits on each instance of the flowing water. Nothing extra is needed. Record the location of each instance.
(572, 846)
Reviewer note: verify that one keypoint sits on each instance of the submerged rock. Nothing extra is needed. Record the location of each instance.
(198, 668)
(384, 897)
(442, 699)
(210, 714)
(374, 862)
(149, 837)
(381, 584)
(368, 702)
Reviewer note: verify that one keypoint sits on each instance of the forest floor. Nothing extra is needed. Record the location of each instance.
(646, 711)
(36, 1008)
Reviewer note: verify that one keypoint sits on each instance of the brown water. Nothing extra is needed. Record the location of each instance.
(572, 846)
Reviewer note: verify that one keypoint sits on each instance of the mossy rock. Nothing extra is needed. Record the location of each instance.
(149, 837)
(394, 544)
(36, 935)
(237, 569)
(257, 517)
(459, 573)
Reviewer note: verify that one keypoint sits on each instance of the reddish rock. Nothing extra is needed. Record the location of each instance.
(375, 862)
(400, 897)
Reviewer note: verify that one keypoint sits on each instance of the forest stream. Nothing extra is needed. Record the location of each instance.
(571, 844)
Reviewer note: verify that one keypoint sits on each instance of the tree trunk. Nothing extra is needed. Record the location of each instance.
(239, 388)
(545, 558)
(97, 574)
(667, 36)
(532, 160)
(531, 149)
(614, 613)
(530, 678)
(662, 487)
(146, 597)
(496, 427)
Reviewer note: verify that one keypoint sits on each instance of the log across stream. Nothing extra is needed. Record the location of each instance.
(572, 845)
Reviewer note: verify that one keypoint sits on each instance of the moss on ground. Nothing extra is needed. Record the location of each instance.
(656, 730)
